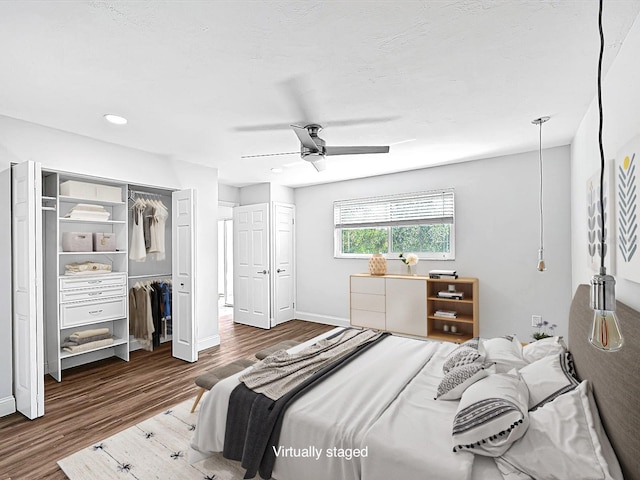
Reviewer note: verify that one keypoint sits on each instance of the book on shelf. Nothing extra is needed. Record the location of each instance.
(443, 274)
(446, 313)
(453, 295)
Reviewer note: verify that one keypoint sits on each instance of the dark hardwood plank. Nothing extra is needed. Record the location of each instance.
(100, 399)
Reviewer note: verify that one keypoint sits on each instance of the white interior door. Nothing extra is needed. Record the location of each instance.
(184, 334)
(28, 325)
(283, 262)
(251, 273)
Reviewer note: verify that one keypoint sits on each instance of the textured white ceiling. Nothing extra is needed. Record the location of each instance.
(438, 80)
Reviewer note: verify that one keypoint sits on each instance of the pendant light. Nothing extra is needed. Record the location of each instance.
(605, 333)
(541, 264)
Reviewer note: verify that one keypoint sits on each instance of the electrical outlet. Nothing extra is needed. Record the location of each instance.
(535, 320)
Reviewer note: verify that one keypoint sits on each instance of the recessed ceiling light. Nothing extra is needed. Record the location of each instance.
(276, 170)
(115, 119)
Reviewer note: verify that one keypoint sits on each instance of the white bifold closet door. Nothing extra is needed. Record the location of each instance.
(28, 324)
(184, 335)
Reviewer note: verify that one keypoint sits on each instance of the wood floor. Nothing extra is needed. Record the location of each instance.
(97, 400)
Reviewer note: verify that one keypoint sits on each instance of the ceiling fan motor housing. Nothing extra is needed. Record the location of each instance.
(311, 154)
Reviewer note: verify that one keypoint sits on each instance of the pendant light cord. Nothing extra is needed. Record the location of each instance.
(602, 231)
(541, 209)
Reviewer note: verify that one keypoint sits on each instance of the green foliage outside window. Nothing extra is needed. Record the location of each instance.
(413, 238)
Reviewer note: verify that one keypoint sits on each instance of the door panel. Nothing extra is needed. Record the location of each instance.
(184, 344)
(283, 265)
(28, 321)
(251, 272)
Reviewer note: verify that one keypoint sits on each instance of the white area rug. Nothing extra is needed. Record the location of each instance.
(153, 449)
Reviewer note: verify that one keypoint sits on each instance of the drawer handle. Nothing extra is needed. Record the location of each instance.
(94, 281)
(95, 312)
(94, 294)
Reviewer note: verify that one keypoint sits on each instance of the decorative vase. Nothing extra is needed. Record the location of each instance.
(410, 270)
(377, 264)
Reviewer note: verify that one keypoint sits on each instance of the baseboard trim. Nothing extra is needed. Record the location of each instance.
(7, 405)
(208, 342)
(326, 319)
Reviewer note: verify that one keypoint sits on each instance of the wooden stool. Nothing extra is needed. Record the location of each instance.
(206, 381)
(283, 345)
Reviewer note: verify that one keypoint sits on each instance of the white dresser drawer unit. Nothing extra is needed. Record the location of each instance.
(370, 303)
(370, 285)
(92, 294)
(93, 281)
(84, 313)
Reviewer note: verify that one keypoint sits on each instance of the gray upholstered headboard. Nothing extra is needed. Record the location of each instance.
(615, 378)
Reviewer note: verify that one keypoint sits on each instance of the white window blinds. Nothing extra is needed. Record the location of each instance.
(406, 209)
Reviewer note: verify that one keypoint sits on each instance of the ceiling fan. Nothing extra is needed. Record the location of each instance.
(313, 149)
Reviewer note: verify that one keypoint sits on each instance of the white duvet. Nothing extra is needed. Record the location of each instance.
(373, 419)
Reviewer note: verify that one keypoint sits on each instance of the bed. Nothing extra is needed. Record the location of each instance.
(353, 427)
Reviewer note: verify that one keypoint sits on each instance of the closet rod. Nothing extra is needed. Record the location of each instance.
(133, 277)
(134, 193)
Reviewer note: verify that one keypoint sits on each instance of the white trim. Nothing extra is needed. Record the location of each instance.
(326, 319)
(208, 342)
(7, 406)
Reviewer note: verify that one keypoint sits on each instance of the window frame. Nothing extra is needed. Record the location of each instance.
(339, 228)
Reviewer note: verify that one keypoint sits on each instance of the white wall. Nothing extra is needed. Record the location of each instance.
(58, 150)
(621, 111)
(228, 194)
(496, 239)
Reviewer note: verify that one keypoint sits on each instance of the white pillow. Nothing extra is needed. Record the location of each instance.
(492, 414)
(543, 348)
(562, 442)
(458, 379)
(506, 353)
(549, 377)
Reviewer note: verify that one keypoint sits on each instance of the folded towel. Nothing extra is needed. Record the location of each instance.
(89, 346)
(80, 340)
(93, 267)
(88, 333)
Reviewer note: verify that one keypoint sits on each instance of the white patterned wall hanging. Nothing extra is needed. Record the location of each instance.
(628, 209)
(594, 220)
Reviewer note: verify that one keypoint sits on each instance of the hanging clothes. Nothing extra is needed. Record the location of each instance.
(140, 319)
(149, 303)
(157, 229)
(137, 250)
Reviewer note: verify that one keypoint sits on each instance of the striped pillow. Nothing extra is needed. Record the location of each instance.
(492, 414)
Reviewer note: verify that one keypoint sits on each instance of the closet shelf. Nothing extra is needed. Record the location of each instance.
(117, 252)
(63, 198)
(116, 341)
(107, 222)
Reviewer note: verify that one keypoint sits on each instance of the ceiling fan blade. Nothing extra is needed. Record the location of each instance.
(262, 128)
(305, 138)
(270, 154)
(354, 150)
(319, 165)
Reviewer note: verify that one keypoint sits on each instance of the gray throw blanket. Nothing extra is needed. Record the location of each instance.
(281, 372)
(254, 420)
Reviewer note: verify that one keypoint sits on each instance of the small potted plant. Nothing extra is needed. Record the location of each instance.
(544, 330)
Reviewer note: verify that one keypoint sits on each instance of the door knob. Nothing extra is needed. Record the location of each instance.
(263, 272)
(279, 271)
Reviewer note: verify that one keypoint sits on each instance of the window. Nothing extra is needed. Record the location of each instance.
(421, 223)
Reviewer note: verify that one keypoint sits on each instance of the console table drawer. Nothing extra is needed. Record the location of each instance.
(365, 301)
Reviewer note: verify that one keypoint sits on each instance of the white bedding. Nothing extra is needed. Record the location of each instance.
(394, 419)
